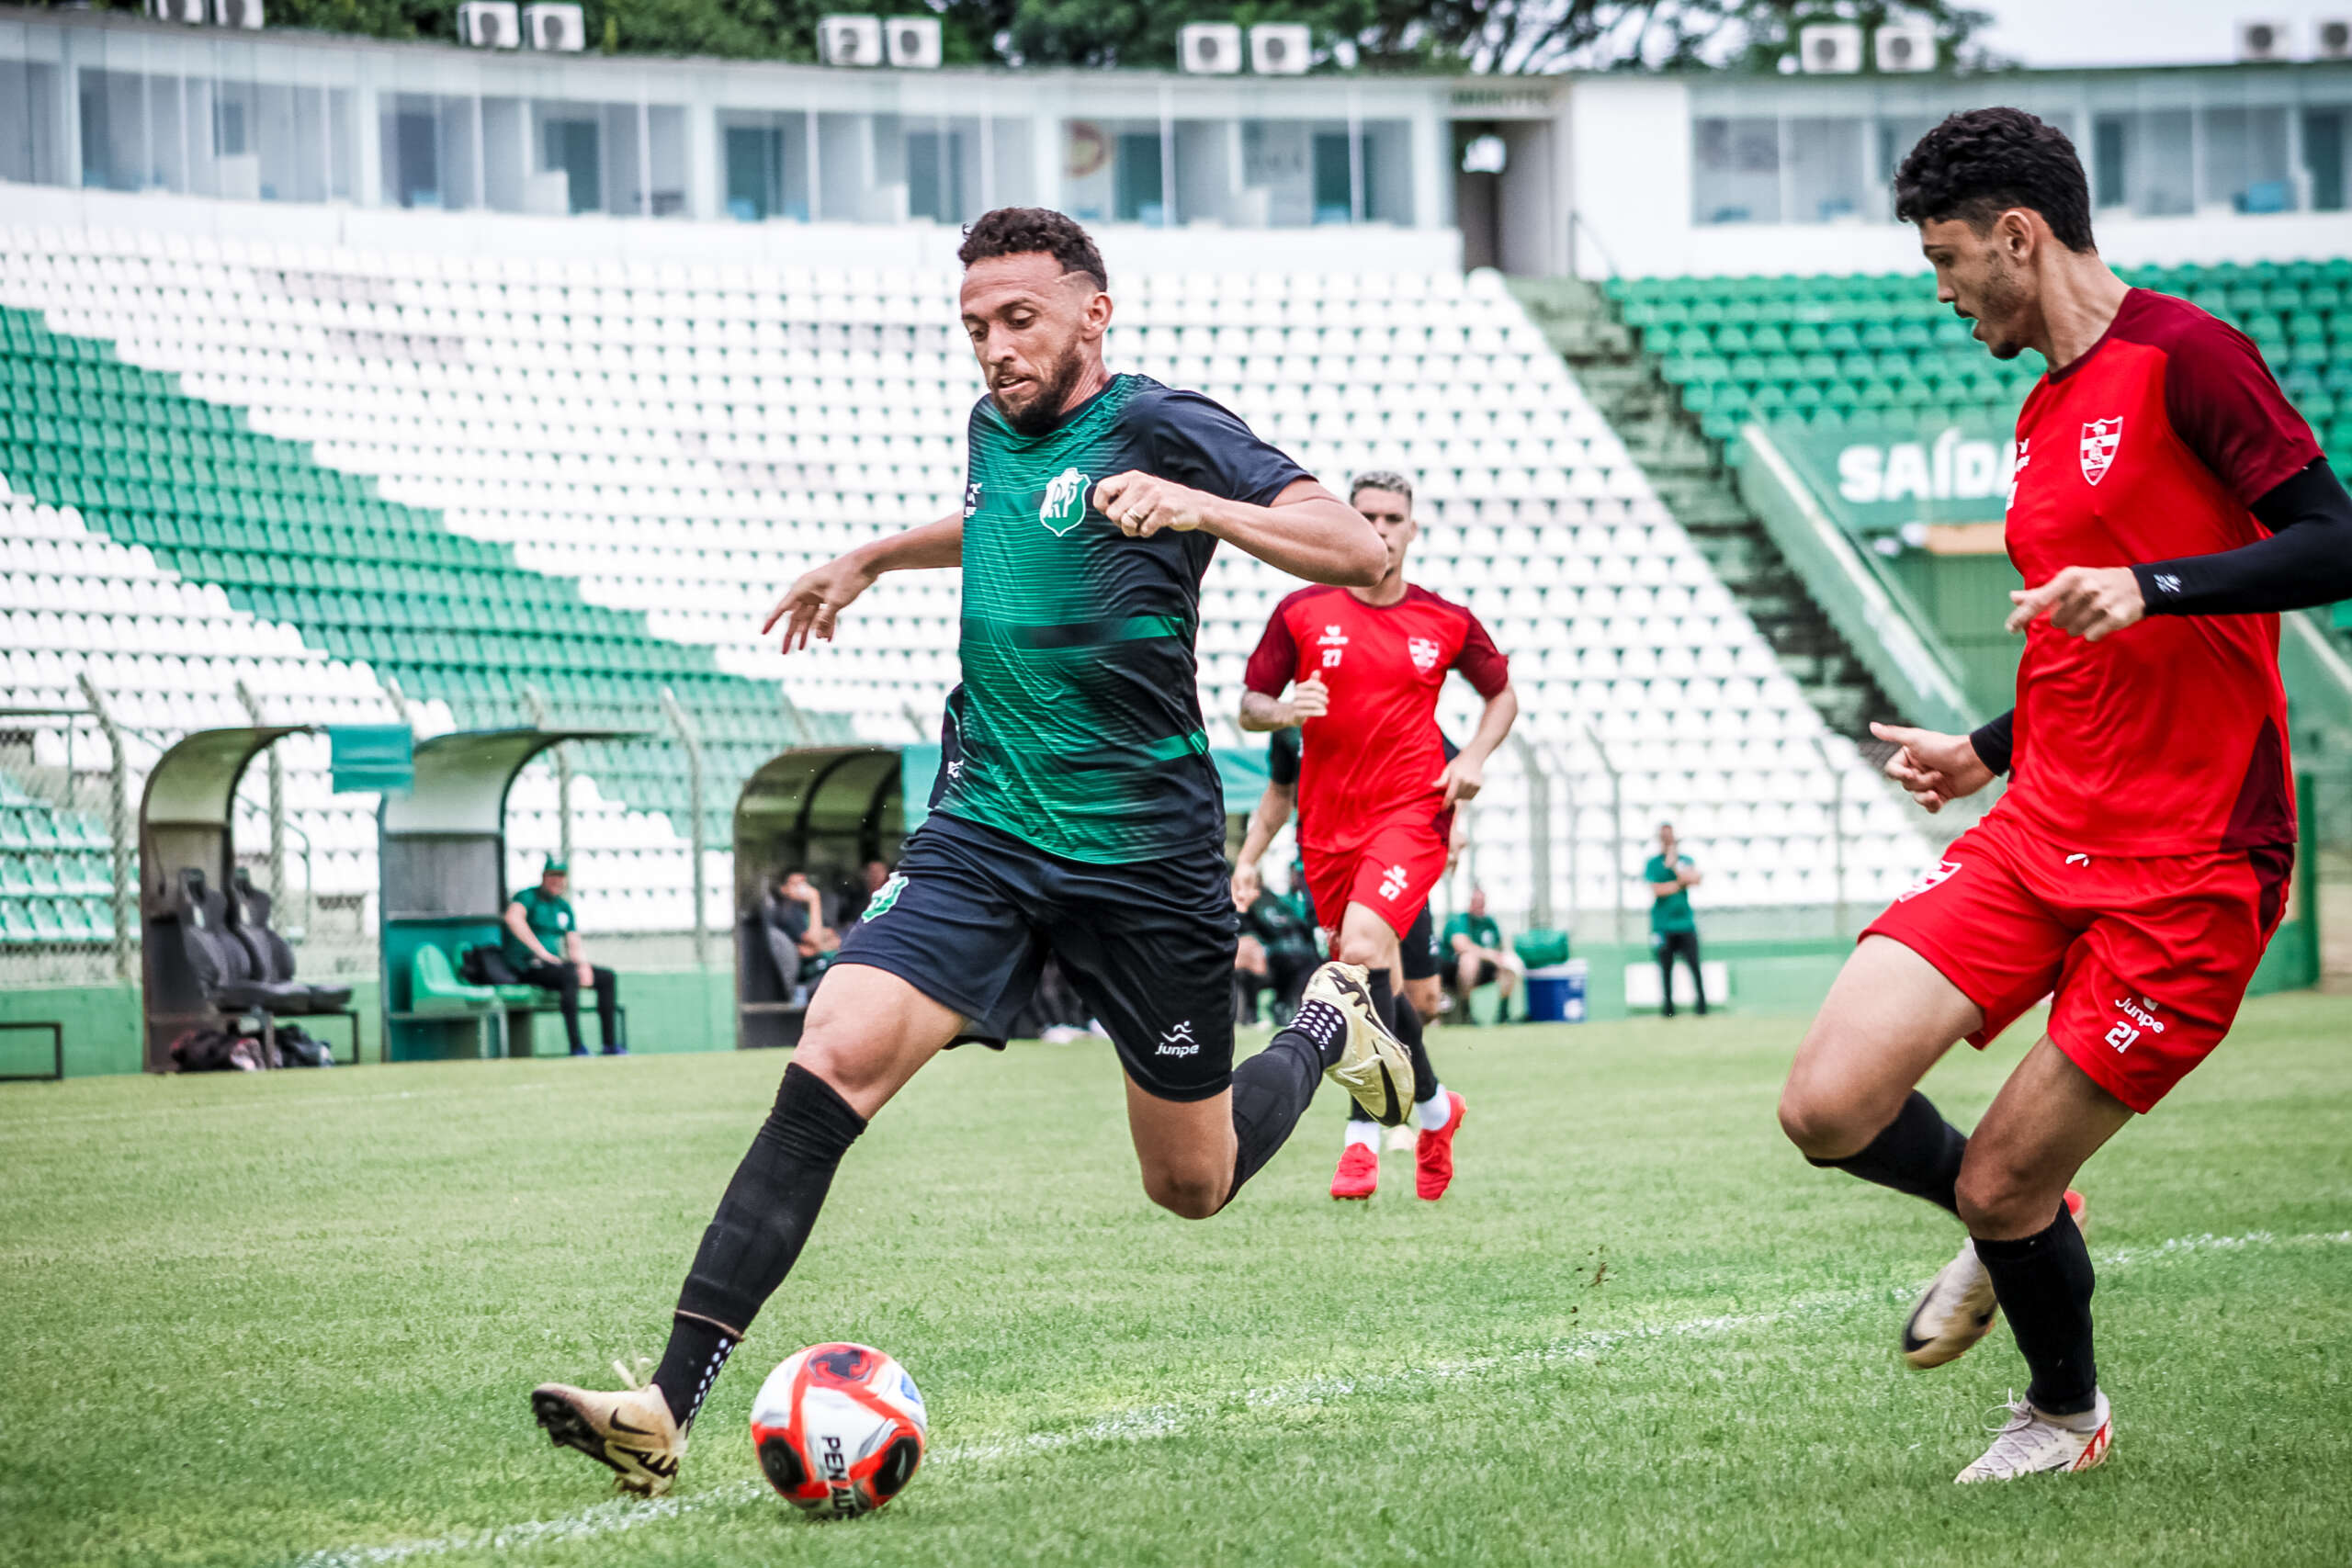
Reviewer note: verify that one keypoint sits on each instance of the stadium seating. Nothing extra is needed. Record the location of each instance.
(468, 474)
(1826, 349)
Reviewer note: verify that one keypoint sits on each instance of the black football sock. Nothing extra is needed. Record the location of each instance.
(2044, 1283)
(1918, 1153)
(1272, 1089)
(1409, 1031)
(762, 1223)
(690, 1364)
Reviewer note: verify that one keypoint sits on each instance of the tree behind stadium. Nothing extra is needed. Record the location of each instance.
(1474, 35)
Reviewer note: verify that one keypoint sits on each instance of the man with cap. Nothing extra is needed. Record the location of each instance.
(538, 923)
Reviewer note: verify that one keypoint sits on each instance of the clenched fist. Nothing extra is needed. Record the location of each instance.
(1143, 504)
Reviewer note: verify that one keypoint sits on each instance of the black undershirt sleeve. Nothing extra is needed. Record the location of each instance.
(1995, 741)
(2306, 561)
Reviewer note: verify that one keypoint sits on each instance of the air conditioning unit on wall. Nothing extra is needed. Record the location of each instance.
(1209, 49)
(1281, 49)
(1901, 47)
(2333, 37)
(489, 23)
(1831, 49)
(557, 28)
(2263, 42)
(911, 42)
(850, 41)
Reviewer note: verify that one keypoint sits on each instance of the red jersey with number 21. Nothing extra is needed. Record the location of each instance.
(2169, 737)
(1376, 755)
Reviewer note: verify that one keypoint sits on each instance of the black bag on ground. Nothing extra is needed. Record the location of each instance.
(486, 966)
(207, 1049)
(298, 1047)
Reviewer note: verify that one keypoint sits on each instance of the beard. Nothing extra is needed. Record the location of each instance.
(2003, 303)
(1045, 411)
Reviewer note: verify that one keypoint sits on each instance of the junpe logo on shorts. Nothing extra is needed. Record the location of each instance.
(1393, 881)
(1179, 1041)
(1944, 872)
(1063, 505)
(2139, 1018)
(884, 896)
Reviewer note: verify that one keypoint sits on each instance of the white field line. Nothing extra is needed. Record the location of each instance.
(1142, 1423)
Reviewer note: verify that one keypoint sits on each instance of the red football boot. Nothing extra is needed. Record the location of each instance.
(1433, 1155)
(1359, 1173)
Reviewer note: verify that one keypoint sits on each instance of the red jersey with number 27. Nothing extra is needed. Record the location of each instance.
(2169, 737)
(1376, 755)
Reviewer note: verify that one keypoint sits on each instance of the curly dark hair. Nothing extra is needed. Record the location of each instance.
(1980, 163)
(1026, 231)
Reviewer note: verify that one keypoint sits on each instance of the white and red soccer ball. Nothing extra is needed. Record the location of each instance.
(839, 1429)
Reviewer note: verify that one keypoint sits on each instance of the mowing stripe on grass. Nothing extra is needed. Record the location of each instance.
(1142, 1423)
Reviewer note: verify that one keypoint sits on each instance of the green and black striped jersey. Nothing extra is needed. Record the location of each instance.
(1079, 717)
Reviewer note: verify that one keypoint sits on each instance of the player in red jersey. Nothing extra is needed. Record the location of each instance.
(1416, 986)
(2167, 504)
(1376, 791)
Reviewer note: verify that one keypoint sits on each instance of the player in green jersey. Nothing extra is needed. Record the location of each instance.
(1077, 813)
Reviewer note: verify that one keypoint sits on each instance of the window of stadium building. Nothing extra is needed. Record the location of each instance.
(197, 136)
(30, 154)
(527, 155)
(2196, 155)
(1245, 174)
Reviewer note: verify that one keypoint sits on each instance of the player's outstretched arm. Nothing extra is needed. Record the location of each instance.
(2305, 562)
(1273, 810)
(1305, 530)
(1261, 711)
(810, 606)
(1466, 775)
(1935, 768)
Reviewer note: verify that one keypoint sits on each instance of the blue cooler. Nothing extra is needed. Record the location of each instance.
(1555, 992)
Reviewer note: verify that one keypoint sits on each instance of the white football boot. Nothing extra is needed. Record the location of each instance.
(631, 1433)
(1957, 1309)
(2031, 1442)
(1374, 1066)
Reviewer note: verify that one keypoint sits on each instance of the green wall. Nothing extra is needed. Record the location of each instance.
(1966, 600)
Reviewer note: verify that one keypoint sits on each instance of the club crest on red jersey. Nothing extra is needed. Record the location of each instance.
(2100, 438)
(1424, 652)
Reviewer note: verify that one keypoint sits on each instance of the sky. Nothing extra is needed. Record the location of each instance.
(2142, 32)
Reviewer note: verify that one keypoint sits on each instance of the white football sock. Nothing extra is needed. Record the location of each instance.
(1364, 1133)
(1433, 1114)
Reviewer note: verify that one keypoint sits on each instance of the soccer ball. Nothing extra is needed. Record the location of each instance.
(839, 1429)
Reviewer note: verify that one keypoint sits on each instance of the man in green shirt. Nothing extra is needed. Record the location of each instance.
(1673, 930)
(1473, 950)
(542, 946)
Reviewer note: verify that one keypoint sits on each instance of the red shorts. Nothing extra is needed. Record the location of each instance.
(2148, 956)
(1390, 873)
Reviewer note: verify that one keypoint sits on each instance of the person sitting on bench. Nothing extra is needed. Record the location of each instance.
(800, 939)
(538, 921)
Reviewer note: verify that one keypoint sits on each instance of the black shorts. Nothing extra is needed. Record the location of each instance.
(1486, 975)
(1419, 948)
(1149, 946)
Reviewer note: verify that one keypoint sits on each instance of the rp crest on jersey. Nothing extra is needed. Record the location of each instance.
(1424, 652)
(1064, 503)
(2100, 438)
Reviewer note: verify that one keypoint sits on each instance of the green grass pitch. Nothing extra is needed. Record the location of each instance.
(291, 1320)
